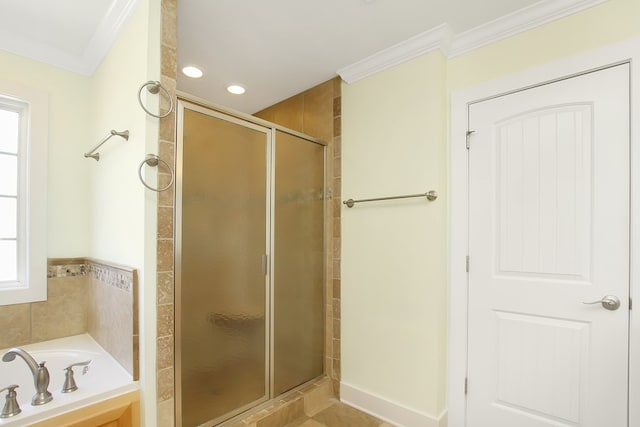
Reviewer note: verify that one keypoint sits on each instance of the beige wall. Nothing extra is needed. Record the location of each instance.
(68, 219)
(611, 21)
(117, 196)
(393, 253)
(395, 127)
(123, 226)
(99, 209)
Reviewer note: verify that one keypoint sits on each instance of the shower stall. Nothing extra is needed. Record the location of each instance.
(249, 263)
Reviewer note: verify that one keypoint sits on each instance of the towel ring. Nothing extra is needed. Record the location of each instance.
(155, 87)
(153, 160)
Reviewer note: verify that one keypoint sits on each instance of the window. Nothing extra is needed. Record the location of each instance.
(23, 172)
(10, 135)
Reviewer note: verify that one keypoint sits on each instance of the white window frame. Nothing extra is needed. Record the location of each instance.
(33, 106)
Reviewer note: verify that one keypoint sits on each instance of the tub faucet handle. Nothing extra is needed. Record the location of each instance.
(11, 406)
(69, 382)
(41, 381)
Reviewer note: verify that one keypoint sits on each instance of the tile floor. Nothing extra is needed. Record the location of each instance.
(339, 415)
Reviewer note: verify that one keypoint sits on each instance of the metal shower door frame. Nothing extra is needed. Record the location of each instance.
(198, 105)
(182, 105)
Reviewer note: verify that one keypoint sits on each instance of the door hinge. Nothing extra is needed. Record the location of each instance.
(469, 132)
(467, 263)
(466, 385)
(630, 303)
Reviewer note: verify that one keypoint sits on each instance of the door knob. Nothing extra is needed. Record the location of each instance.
(610, 302)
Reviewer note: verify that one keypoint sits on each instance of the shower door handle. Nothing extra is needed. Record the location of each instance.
(265, 264)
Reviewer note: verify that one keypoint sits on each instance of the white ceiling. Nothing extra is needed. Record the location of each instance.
(71, 34)
(278, 48)
(275, 48)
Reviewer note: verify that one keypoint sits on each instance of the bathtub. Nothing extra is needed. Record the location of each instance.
(104, 379)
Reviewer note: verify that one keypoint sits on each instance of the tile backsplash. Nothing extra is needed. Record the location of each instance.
(113, 311)
(64, 313)
(83, 295)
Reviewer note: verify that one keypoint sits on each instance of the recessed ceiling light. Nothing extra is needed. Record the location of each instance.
(193, 72)
(236, 89)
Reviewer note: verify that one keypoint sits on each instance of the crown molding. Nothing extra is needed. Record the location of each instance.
(442, 37)
(522, 20)
(107, 33)
(434, 39)
(86, 63)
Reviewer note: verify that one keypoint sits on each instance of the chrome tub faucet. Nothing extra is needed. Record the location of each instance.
(40, 375)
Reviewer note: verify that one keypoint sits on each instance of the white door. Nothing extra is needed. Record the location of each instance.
(549, 230)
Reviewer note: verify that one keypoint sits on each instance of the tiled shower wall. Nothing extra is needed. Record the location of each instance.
(165, 267)
(83, 295)
(315, 112)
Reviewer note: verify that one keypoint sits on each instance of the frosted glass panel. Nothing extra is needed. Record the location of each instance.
(299, 262)
(223, 287)
(8, 261)
(9, 126)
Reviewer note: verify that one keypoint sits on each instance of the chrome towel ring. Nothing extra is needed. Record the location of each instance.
(155, 87)
(153, 160)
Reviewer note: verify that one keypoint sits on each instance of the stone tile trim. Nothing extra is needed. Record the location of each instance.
(334, 305)
(307, 399)
(118, 276)
(165, 388)
(66, 267)
(115, 275)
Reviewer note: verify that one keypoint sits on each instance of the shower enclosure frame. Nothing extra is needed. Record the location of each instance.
(270, 129)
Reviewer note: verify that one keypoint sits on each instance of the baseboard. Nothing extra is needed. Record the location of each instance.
(386, 410)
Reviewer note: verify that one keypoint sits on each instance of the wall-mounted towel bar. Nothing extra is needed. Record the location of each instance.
(91, 153)
(431, 195)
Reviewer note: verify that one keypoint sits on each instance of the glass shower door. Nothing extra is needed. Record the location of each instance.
(298, 273)
(222, 236)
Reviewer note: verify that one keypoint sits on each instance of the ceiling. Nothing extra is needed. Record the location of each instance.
(278, 48)
(47, 31)
(274, 48)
